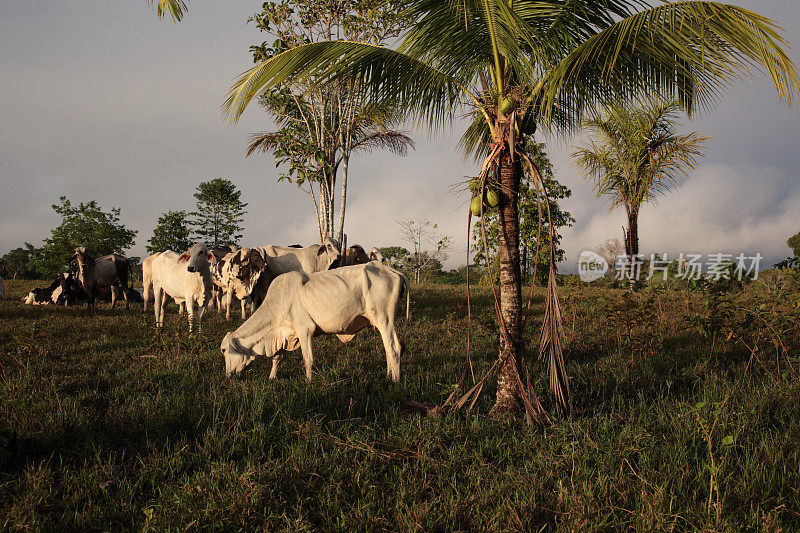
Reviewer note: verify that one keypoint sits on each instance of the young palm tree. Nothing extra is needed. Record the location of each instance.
(636, 155)
(516, 63)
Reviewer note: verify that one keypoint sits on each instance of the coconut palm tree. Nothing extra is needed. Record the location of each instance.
(518, 63)
(637, 155)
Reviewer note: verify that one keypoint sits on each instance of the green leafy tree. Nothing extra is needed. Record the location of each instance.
(321, 126)
(794, 244)
(395, 256)
(16, 263)
(516, 65)
(172, 232)
(219, 213)
(529, 222)
(83, 225)
(637, 155)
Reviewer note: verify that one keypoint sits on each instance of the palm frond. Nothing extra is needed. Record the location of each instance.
(175, 8)
(386, 76)
(265, 142)
(396, 142)
(689, 50)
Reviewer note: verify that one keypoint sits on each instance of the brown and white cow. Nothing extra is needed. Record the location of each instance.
(355, 255)
(308, 260)
(237, 274)
(299, 307)
(107, 271)
(185, 277)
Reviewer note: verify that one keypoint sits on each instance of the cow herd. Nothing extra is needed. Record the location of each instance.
(293, 294)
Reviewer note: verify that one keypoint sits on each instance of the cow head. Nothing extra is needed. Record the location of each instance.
(355, 255)
(236, 356)
(375, 255)
(328, 254)
(197, 258)
(82, 257)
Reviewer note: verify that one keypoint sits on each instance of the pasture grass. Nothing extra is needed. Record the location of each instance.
(107, 423)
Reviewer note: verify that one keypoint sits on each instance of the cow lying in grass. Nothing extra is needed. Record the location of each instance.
(298, 307)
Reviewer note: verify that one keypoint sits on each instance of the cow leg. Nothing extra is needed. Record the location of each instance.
(308, 352)
(392, 346)
(276, 359)
(145, 294)
(158, 305)
(228, 302)
(113, 296)
(244, 308)
(181, 308)
(190, 312)
(201, 309)
(125, 295)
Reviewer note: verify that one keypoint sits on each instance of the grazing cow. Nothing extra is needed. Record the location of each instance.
(237, 274)
(185, 277)
(107, 271)
(340, 302)
(375, 255)
(355, 255)
(283, 259)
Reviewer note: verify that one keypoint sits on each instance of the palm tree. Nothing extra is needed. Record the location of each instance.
(516, 63)
(345, 130)
(637, 155)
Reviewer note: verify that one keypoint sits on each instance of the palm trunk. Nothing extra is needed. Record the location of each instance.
(343, 204)
(510, 286)
(633, 232)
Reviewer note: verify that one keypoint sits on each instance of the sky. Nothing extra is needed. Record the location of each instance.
(101, 101)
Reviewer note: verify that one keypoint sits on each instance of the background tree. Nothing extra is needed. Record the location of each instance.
(637, 155)
(16, 263)
(321, 126)
(529, 222)
(527, 62)
(421, 234)
(219, 213)
(794, 244)
(609, 250)
(396, 256)
(172, 232)
(83, 225)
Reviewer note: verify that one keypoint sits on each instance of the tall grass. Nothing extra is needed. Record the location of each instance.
(106, 423)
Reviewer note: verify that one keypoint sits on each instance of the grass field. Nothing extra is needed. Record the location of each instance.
(106, 423)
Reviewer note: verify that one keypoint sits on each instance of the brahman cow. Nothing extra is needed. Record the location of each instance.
(283, 259)
(237, 274)
(340, 302)
(376, 255)
(185, 277)
(107, 271)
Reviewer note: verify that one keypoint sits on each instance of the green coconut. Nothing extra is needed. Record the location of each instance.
(507, 106)
(492, 198)
(475, 206)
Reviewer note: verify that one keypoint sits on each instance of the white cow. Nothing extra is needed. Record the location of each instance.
(375, 255)
(185, 277)
(147, 284)
(308, 260)
(340, 302)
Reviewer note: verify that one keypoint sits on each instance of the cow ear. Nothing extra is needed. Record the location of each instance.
(184, 257)
(210, 257)
(321, 250)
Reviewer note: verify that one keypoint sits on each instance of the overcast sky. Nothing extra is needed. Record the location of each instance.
(100, 101)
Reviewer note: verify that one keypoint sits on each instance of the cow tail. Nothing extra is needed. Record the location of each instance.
(408, 308)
